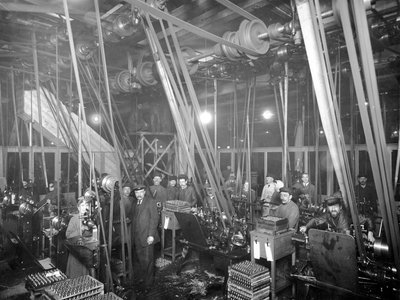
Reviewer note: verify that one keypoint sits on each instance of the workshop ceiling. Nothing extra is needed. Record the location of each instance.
(126, 46)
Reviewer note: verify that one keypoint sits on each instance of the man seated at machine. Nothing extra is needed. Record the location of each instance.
(334, 219)
(287, 209)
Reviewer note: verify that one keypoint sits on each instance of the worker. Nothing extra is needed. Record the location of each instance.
(158, 192)
(287, 209)
(144, 235)
(172, 189)
(308, 192)
(334, 219)
(266, 194)
(186, 192)
(367, 207)
(75, 230)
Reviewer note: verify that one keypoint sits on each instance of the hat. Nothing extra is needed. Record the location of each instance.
(172, 178)
(139, 187)
(182, 176)
(332, 200)
(270, 175)
(285, 190)
(362, 175)
(157, 174)
(275, 199)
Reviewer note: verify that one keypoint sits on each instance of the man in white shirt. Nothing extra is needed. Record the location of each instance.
(267, 192)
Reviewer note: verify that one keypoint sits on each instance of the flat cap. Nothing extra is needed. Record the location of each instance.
(285, 190)
(182, 176)
(332, 200)
(138, 187)
(157, 174)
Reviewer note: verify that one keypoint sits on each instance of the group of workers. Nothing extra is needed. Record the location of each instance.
(333, 215)
(142, 206)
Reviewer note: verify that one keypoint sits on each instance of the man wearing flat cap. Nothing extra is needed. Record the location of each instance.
(334, 218)
(287, 209)
(367, 204)
(144, 234)
(158, 192)
(172, 189)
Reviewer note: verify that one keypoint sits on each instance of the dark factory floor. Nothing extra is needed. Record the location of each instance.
(192, 278)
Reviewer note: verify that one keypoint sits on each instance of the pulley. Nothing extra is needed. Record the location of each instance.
(26, 209)
(107, 183)
(249, 36)
(123, 82)
(145, 74)
(231, 53)
(59, 223)
(283, 53)
(123, 25)
(84, 50)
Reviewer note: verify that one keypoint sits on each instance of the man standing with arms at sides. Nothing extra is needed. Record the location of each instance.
(267, 192)
(308, 192)
(144, 234)
(186, 192)
(172, 189)
(158, 192)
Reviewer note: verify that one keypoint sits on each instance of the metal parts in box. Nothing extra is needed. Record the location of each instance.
(177, 206)
(272, 225)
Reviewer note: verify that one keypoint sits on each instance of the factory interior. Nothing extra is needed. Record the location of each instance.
(199, 149)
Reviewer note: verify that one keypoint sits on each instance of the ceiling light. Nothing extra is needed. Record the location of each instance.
(95, 119)
(205, 117)
(267, 114)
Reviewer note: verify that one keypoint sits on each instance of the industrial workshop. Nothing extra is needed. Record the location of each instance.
(199, 149)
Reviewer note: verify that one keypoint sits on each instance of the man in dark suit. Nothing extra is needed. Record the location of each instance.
(145, 234)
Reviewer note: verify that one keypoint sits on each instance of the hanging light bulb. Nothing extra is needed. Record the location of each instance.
(267, 114)
(205, 117)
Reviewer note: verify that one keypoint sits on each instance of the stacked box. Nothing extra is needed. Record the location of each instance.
(177, 206)
(248, 281)
(108, 296)
(75, 289)
(37, 281)
(272, 225)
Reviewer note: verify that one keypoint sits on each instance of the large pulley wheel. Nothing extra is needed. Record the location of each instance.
(230, 52)
(248, 35)
(145, 73)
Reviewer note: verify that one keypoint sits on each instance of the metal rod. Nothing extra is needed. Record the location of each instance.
(322, 86)
(237, 9)
(189, 27)
(39, 103)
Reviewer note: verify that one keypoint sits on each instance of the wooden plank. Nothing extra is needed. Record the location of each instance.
(97, 143)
